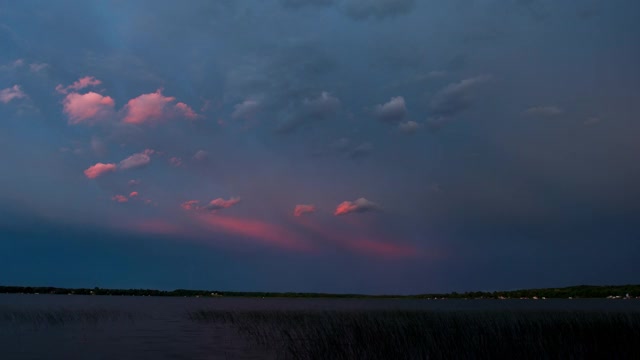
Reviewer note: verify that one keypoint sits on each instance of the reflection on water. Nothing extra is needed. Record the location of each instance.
(104, 327)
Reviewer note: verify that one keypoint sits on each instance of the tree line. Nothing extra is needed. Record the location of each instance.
(582, 291)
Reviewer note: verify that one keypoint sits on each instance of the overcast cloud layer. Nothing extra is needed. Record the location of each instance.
(377, 146)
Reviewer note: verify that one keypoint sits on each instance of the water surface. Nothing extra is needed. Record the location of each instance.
(112, 327)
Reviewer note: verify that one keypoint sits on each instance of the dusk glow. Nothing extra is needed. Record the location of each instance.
(374, 146)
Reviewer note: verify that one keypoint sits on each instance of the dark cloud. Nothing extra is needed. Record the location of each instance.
(544, 111)
(341, 144)
(246, 109)
(296, 4)
(321, 107)
(362, 150)
(409, 127)
(378, 9)
(392, 111)
(456, 97)
(358, 9)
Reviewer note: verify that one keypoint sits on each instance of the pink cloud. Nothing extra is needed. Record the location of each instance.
(98, 170)
(358, 206)
(120, 198)
(186, 111)
(190, 205)
(268, 233)
(155, 107)
(9, 94)
(136, 160)
(300, 210)
(175, 161)
(79, 84)
(133, 194)
(220, 203)
(147, 107)
(134, 182)
(83, 107)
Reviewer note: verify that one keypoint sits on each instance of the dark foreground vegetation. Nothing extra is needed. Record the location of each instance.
(583, 291)
(436, 335)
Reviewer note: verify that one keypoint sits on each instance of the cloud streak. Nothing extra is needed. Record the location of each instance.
(220, 203)
(87, 81)
(360, 205)
(213, 205)
(302, 209)
(544, 111)
(99, 169)
(264, 232)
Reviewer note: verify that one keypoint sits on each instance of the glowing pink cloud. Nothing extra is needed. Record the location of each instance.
(175, 161)
(79, 84)
(120, 198)
(147, 107)
(300, 210)
(133, 194)
(268, 233)
(81, 108)
(190, 205)
(98, 170)
(220, 203)
(357, 240)
(358, 206)
(9, 94)
(186, 111)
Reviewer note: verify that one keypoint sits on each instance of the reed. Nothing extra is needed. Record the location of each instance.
(436, 335)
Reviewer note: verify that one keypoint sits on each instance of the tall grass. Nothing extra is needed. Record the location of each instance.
(437, 335)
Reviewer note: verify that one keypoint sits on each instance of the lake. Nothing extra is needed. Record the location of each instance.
(109, 327)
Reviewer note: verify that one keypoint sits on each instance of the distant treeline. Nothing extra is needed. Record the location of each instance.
(583, 291)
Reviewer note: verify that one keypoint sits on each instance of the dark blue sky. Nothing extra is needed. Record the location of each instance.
(376, 146)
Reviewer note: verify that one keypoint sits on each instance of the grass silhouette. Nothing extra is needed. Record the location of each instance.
(436, 335)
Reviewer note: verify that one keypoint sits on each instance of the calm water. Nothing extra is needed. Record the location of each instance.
(158, 328)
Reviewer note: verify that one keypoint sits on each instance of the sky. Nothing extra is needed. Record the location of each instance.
(345, 146)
